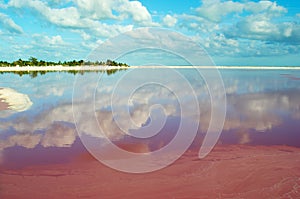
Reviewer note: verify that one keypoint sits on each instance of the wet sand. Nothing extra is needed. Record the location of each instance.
(234, 171)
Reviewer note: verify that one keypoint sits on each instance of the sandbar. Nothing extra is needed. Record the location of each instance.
(11, 99)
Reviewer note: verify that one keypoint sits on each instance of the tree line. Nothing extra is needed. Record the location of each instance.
(32, 61)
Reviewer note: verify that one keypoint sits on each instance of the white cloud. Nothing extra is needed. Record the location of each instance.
(136, 10)
(9, 24)
(85, 36)
(48, 40)
(262, 27)
(27, 140)
(87, 14)
(48, 90)
(169, 20)
(265, 6)
(251, 30)
(111, 9)
(220, 44)
(215, 10)
(58, 135)
(198, 24)
(67, 17)
(72, 17)
(260, 110)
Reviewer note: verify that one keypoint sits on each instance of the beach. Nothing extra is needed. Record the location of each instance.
(234, 171)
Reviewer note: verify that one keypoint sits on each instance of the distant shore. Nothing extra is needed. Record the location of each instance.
(104, 68)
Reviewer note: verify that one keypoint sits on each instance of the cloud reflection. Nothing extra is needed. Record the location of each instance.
(54, 127)
(262, 111)
(58, 135)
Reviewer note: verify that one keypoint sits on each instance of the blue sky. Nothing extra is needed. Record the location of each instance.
(232, 32)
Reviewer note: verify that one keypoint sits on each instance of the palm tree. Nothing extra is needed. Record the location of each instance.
(33, 61)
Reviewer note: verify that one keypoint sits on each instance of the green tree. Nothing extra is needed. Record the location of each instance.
(33, 61)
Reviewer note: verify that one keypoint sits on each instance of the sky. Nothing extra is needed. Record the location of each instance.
(232, 32)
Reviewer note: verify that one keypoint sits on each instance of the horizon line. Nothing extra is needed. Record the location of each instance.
(103, 68)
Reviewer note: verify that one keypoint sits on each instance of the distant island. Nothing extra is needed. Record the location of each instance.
(32, 61)
(34, 67)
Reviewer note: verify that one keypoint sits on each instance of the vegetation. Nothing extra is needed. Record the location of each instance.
(32, 61)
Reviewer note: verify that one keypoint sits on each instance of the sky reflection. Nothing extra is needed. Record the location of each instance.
(263, 107)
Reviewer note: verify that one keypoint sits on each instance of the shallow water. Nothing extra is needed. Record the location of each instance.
(263, 109)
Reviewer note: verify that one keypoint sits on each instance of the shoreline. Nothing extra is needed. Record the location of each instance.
(60, 68)
(228, 171)
(105, 68)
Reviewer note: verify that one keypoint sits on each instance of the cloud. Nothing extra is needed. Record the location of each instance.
(169, 21)
(58, 135)
(86, 14)
(9, 24)
(72, 17)
(55, 126)
(259, 111)
(262, 27)
(265, 6)
(244, 137)
(219, 44)
(118, 10)
(65, 17)
(27, 140)
(96, 9)
(48, 40)
(216, 10)
(3, 5)
(243, 29)
(136, 10)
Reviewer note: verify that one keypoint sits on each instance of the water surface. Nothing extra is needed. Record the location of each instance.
(263, 110)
